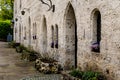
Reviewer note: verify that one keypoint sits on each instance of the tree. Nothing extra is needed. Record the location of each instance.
(6, 9)
(5, 28)
(6, 14)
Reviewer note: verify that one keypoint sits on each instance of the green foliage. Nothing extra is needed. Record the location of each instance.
(87, 75)
(90, 75)
(12, 44)
(26, 53)
(20, 48)
(6, 9)
(29, 56)
(5, 28)
(76, 73)
(33, 56)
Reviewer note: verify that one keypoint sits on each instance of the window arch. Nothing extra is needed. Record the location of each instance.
(35, 30)
(29, 32)
(25, 33)
(20, 4)
(56, 36)
(96, 31)
(20, 32)
(52, 36)
(44, 34)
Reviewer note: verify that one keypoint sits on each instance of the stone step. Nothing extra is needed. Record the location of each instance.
(43, 77)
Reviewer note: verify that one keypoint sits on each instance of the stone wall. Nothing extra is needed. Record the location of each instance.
(107, 61)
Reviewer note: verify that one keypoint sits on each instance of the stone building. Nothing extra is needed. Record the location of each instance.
(66, 30)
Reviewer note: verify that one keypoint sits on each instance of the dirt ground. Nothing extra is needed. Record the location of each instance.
(11, 66)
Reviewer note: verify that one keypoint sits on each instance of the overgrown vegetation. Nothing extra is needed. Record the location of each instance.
(87, 75)
(47, 58)
(29, 56)
(5, 29)
(43, 62)
(32, 55)
(26, 53)
(20, 48)
(6, 9)
(6, 15)
(13, 44)
(76, 73)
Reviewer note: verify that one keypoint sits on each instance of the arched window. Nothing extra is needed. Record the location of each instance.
(35, 31)
(29, 32)
(20, 32)
(56, 35)
(25, 32)
(52, 36)
(96, 37)
(20, 4)
(44, 35)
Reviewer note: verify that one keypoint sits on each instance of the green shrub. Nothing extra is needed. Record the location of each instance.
(12, 44)
(90, 75)
(5, 28)
(87, 75)
(20, 48)
(33, 55)
(27, 54)
(76, 73)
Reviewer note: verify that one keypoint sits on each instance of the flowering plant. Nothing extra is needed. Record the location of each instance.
(95, 47)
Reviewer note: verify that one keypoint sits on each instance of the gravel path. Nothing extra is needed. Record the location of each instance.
(13, 68)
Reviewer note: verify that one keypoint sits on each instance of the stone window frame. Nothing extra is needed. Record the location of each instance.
(44, 34)
(96, 34)
(56, 36)
(34, 31)
(25, 34)
(52, 36)
(29, 30)
(20, 31)
(20, 6)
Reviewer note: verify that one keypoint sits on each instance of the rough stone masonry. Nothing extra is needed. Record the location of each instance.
(66, 29)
